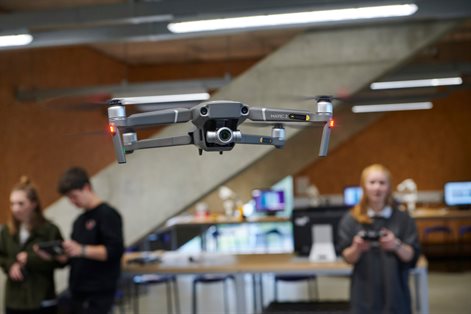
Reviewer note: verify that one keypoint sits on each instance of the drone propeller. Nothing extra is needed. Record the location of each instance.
(77, 103)
(102, 102)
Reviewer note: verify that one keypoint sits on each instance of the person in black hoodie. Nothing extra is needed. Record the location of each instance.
(95, 248)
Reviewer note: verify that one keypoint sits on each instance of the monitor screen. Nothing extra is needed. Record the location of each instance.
(303, 219)
(352, 195)
(269, 201)
(457, 193)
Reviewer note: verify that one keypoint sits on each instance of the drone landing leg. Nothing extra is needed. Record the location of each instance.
(325, 140)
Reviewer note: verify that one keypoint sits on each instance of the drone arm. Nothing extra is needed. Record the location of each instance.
(158, 117)
(159, 142)
(276, 139)
(260, 140)
(284, 115)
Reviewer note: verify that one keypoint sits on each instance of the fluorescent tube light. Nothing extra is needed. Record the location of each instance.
(293, 18)
(393, 107)
(417, 83)
(165, 98)
(15, 40)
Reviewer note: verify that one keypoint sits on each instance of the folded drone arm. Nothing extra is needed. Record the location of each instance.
(168, 116)
(260, 140)
(159, 142)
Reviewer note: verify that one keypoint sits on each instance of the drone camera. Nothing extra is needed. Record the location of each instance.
(222, 136)
(244, 110)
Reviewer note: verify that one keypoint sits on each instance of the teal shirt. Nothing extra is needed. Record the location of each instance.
(38, 284)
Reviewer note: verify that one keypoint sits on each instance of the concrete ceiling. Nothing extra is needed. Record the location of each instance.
(135, 32)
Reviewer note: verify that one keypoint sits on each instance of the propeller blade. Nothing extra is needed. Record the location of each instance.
(78, 103)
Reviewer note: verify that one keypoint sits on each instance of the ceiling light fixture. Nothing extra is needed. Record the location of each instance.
(417, 83)
(293, 18)
(15, 40)
(393, 107)
(165, 98)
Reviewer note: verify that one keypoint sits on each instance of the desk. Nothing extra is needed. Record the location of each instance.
(241, 264)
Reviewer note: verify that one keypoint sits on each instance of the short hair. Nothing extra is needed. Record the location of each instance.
(73, 179)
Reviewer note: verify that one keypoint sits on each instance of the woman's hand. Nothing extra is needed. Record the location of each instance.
(360, 245)
(15, 272)
(22, 258)
(353, 252)
(388, 241)
(42, 254)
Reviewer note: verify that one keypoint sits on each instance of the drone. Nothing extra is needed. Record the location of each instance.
(215, 125)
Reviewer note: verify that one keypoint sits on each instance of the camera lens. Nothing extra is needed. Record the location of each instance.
(204, 111)
(224, 135)
(244, 110)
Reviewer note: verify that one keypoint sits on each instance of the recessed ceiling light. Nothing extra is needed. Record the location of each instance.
(15, 40)
(165, 98)
(293, 18)
(417, 83)
(393, 107)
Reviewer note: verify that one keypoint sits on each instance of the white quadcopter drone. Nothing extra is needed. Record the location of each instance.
(215, 125)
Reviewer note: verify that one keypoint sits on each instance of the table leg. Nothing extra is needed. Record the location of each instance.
(423, 293)
(241, 293)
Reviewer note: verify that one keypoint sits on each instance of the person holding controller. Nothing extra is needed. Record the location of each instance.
(29, 287)
(381, 243)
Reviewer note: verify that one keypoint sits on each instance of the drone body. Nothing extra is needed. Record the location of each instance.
(215, 125)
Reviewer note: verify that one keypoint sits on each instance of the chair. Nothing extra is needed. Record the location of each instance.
(208, 279)
(154, 279)
(464, 246)
(429, 246)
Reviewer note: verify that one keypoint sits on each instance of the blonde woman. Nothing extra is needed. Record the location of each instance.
(29, 287)
(381, 242)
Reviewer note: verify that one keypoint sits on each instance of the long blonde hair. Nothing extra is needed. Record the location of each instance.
(360, 210)
(32, 194)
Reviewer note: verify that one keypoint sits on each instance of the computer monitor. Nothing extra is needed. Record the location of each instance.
(457, 194)
(268, 201)
(304, 219)
(352, 195)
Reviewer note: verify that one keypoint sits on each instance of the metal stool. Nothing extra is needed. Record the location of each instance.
(438, 250)
(464, 246)
(309, 278)
(153, 279)
(211, 279)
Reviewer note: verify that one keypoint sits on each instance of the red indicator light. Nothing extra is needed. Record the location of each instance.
(331, 123)
(112, 129)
